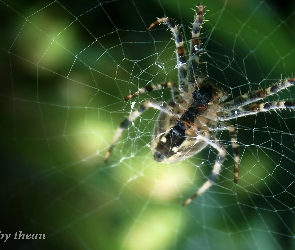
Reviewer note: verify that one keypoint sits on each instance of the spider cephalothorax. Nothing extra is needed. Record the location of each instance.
(198, 109)
(176, 142)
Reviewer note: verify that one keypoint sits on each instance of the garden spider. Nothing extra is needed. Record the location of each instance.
(197, 111)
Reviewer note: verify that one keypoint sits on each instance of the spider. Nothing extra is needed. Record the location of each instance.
(198, 110)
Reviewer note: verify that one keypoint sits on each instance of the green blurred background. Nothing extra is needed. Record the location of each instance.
(65, 68)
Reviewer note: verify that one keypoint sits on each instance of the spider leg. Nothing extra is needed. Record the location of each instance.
(180, 51)
(255, 108)
(216, 168)
(235, 146)
(259, 94)
(195, 47)
(174, 90)
(213, 125)
(124, 124)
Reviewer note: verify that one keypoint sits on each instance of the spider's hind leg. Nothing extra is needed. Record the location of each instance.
(235, 147)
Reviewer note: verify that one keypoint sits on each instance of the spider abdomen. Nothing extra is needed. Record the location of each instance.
(173, 140)
(198, 108)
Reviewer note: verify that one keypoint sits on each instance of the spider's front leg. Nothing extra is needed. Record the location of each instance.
(195, 47)
(180, 51)
(125, 123)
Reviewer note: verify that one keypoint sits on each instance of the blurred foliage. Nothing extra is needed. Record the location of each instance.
(65, 68)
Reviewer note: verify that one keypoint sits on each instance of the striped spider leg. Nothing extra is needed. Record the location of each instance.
(164, 108)
(181, 96)
(248, 104)
(198, 110)
(243, 105)
(187, 123)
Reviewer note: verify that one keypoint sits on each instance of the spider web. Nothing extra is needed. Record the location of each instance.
(65, 68)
